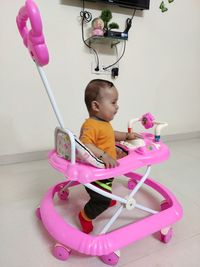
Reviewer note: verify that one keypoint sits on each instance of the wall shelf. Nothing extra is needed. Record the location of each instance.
(112, 41)
(100, 43)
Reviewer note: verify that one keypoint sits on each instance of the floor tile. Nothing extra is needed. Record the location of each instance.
(25, 242)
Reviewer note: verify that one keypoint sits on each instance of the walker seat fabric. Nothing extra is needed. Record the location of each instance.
(83, 154)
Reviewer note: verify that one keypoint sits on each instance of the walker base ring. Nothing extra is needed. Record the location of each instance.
(103, 245)
(38, 213)
(131, 184)
(63, 194)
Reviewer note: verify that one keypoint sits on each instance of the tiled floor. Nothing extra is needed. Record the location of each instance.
(25, 243)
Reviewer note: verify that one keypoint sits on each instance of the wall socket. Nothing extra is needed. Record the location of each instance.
(101, 70)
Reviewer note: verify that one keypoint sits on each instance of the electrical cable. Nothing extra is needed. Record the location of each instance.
(115, 69)
(87, 17)
(129, 23)
(124, 48)
(117, 54)
(133, 14)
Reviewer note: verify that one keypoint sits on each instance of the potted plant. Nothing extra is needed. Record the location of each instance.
(106, 16)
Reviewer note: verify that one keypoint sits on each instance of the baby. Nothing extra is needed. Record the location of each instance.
(97, 134)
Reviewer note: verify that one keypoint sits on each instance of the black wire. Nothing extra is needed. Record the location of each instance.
(133, 14)
(85, 14)
(105, 68)
(118, 58)
(87, 17)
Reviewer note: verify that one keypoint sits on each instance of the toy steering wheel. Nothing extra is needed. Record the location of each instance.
(33, 39)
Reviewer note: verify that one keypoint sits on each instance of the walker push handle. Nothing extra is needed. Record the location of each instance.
(33, 39)
(148, 121)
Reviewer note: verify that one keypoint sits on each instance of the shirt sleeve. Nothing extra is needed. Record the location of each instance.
(87, 134)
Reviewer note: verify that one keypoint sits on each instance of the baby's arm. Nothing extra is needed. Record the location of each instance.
(123, 136)
(109, 161)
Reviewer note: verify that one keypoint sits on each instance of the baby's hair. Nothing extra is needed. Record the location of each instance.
(92, 91)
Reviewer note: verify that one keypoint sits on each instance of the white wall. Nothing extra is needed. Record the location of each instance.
(159, 72)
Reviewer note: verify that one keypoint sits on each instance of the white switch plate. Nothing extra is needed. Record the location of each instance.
(101, 70)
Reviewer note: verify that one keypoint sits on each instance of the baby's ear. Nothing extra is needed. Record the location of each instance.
(95, 105)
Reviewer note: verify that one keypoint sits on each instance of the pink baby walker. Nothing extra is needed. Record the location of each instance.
(80, 166)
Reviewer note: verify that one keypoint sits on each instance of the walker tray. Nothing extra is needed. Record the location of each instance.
(152, 153)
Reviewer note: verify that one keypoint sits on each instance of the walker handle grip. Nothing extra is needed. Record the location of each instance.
(158, 127)
(33, 39)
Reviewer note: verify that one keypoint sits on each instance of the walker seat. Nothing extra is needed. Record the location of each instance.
(59, 158)
(83, 154)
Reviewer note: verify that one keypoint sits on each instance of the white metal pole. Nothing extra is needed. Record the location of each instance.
(105, 193)
(141, 182)
(141, 207)
(112, 220)
(51, 96)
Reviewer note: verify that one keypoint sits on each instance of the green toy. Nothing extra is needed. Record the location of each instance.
(162, 6)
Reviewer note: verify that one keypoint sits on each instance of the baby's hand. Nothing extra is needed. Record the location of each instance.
(120, 153)
(109, 161)
(132, 136)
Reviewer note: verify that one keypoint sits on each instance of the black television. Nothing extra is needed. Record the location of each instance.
(136, 4)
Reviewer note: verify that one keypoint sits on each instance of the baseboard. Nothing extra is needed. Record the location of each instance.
(41, 155)
(23, 157)
(180, 137)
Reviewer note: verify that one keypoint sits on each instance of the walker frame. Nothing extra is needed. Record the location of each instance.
(106, 244)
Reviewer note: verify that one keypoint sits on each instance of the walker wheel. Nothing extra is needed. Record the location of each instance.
(63, 194)
(165, 237)
(110, 259)
(38, 213)
(131, 184)
(61, 252)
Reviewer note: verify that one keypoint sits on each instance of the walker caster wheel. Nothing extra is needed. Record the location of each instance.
(63, 194)
(166, 234)
(110, 259)
(131, 184)
(38, 213)
(60, 252)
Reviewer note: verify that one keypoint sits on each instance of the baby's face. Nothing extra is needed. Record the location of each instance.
(108, 104)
